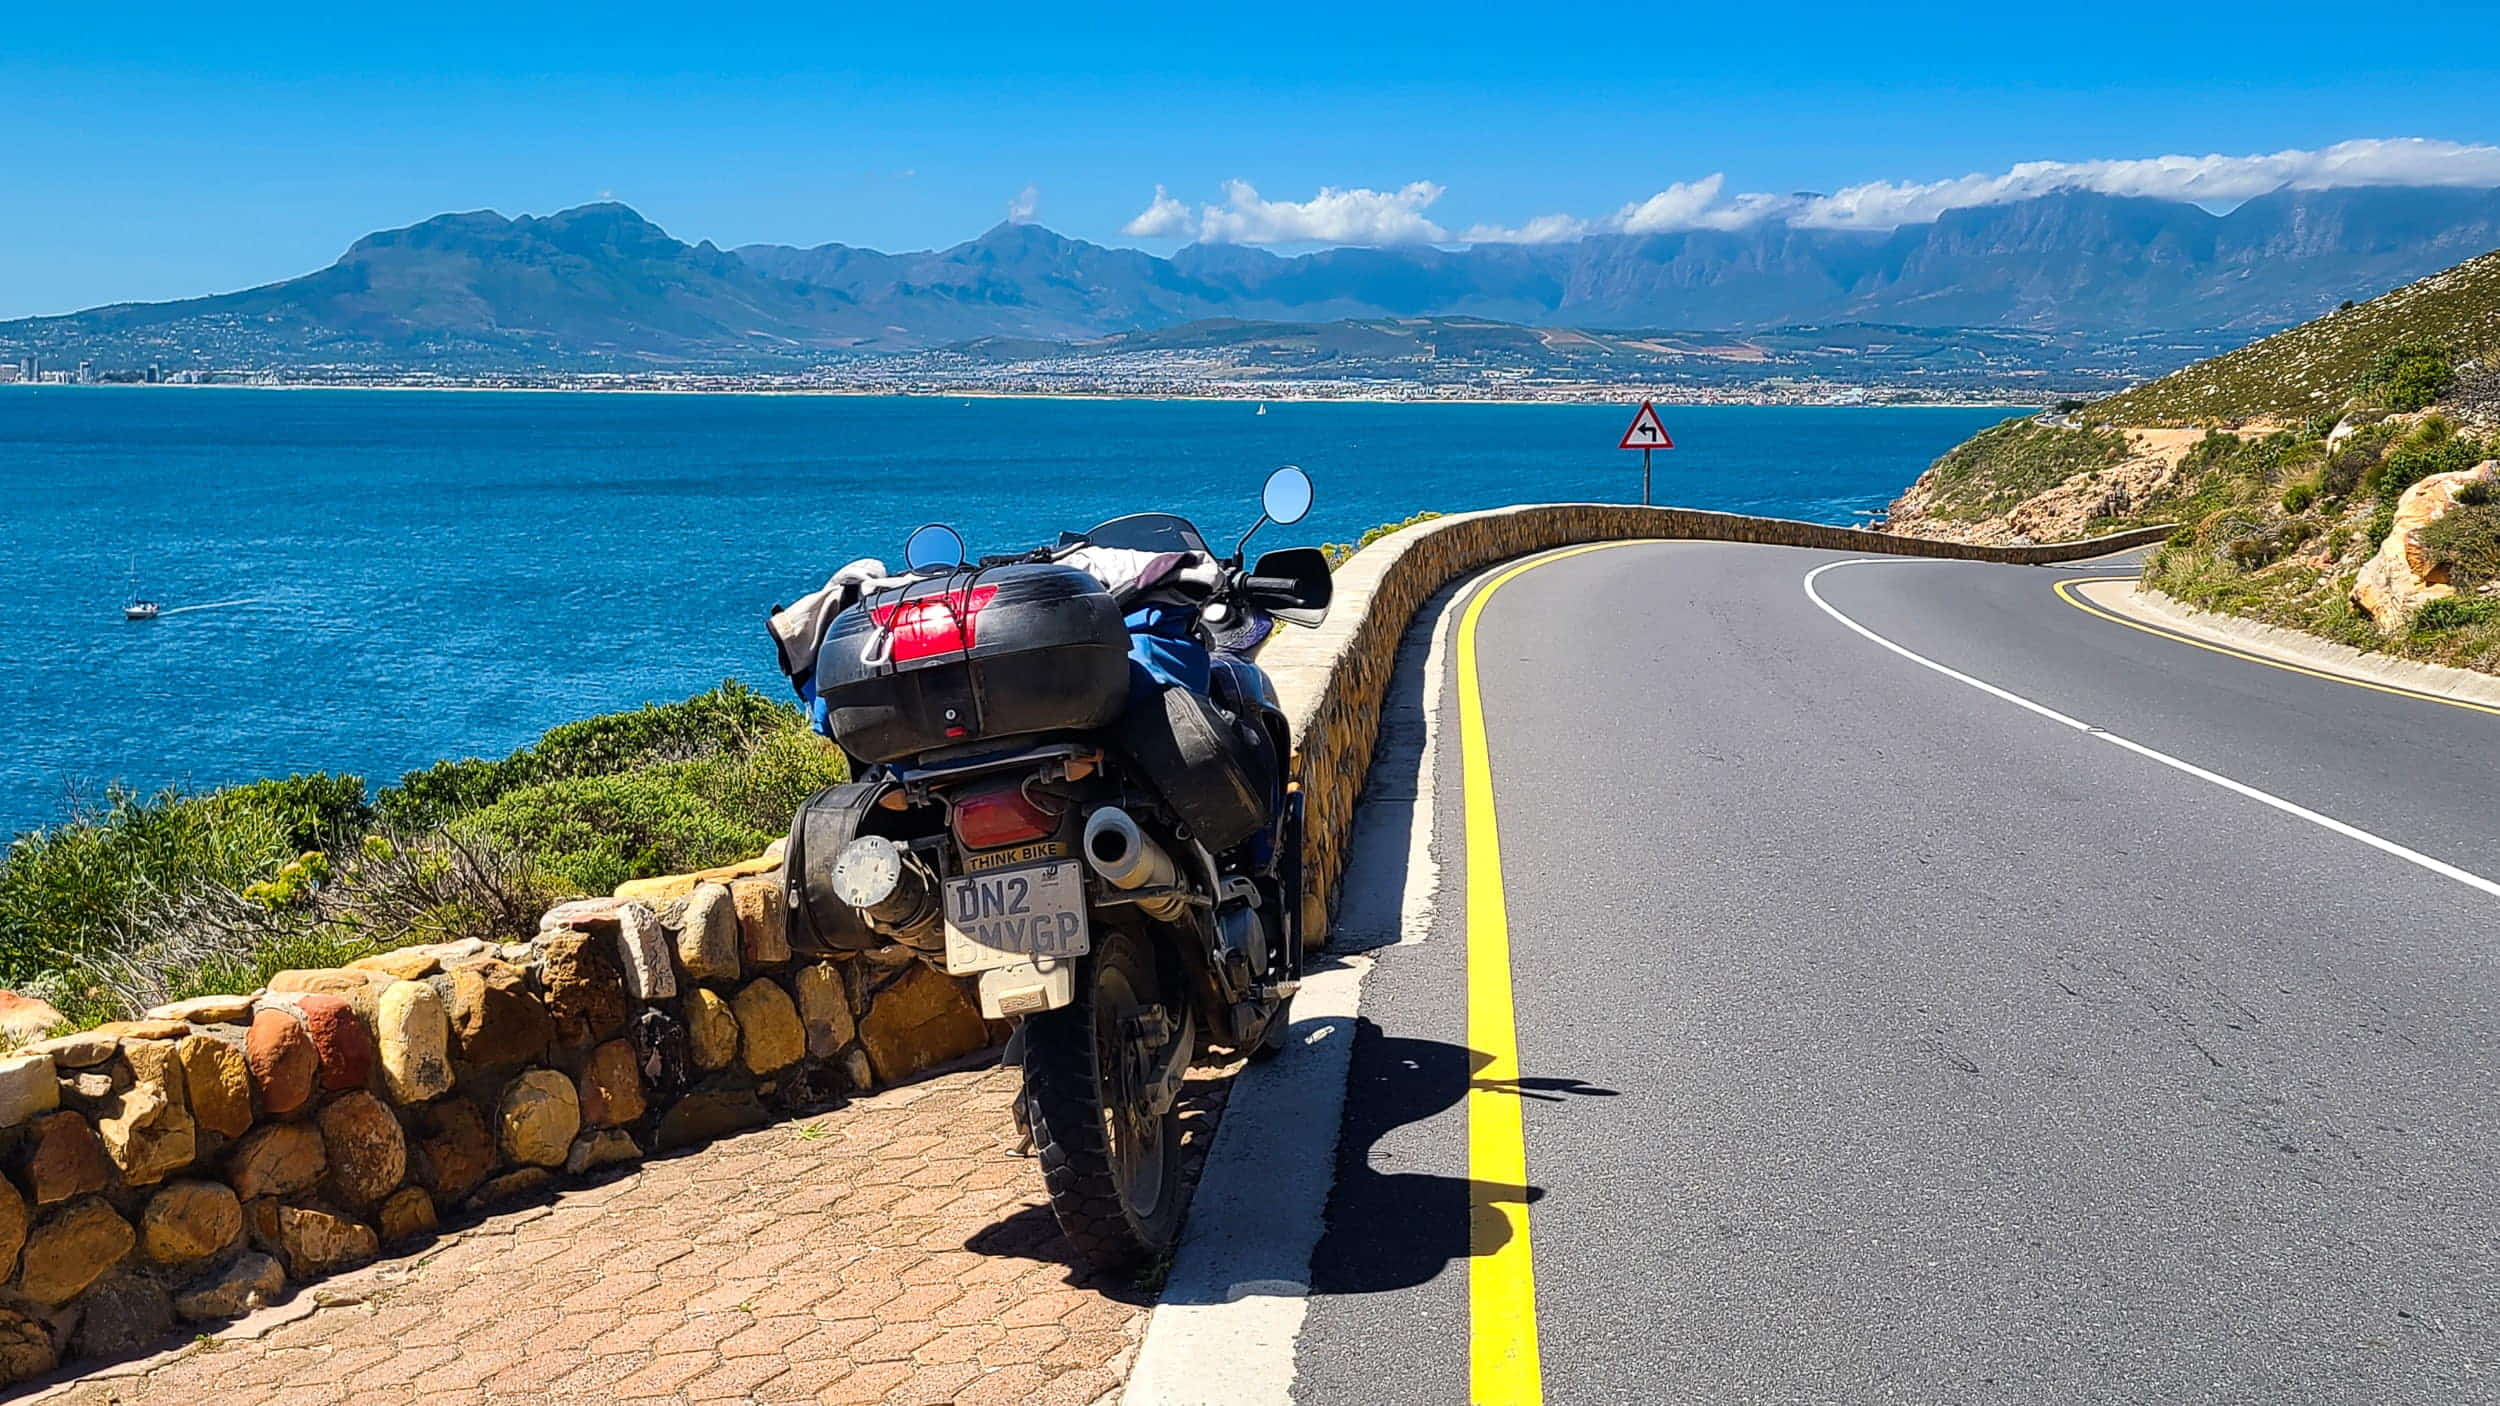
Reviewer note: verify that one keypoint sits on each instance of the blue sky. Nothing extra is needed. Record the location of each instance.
(151, 152)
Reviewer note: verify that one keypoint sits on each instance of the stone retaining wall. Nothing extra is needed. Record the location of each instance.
(188, 1165)
(1332, 679)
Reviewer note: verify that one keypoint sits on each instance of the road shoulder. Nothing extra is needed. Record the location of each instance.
(2272, 644)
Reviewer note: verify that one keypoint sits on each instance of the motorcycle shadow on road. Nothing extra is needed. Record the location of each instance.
(1391, 1230)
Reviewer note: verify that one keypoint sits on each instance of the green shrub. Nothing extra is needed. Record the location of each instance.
(2409, 375)
(727, 719)
(89, 883)
(2454, 612)
(135, 900)
(1337, 552)
(2013, 460)
(591, 833)
(2298, 496)
(2465, 541)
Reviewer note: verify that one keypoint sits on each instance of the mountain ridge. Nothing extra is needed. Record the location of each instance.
(601, 285)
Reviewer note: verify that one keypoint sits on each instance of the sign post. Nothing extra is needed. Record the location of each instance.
(1645, 435)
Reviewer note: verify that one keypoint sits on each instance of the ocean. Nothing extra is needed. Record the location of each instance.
(368, 581)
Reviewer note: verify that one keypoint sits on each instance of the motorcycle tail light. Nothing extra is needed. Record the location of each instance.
(1000, 815)
(941, 622)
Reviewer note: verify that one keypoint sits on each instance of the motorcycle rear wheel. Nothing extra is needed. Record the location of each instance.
(1111, 1164)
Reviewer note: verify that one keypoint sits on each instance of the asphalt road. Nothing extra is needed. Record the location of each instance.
(1884, 1040)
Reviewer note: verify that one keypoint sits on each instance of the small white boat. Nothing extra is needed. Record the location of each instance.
(139, 607)
(1262, 408)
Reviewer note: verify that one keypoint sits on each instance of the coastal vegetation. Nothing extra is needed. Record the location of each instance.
(1337, 552)
(2404, 351)
(138, 899)
(2284, 466)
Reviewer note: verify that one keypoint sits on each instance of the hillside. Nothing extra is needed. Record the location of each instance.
(2319, 478)
(602, 287)
(2314, 367)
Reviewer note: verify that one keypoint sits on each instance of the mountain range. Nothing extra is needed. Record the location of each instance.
(600, 286)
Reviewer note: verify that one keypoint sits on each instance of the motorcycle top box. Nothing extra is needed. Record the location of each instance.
(971, 655)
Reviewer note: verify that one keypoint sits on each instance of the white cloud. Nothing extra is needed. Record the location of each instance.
(1684, 205)
(1165, 218)
(1334, 216)
(2214, 181)
(1362, 216)
(1544, 229)
(1028, 201)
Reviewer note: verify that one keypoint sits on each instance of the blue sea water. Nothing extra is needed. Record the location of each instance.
(447, 574)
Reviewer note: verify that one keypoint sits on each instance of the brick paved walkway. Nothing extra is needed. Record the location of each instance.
(894, 1250)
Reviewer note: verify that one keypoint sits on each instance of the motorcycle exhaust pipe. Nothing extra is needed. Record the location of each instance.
(892, 891)
(1128, 858)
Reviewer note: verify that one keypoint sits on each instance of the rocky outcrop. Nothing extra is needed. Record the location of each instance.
(2402, 576)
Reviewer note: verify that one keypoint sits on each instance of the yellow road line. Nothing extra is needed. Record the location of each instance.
(2066, 593)
(1503, 1365)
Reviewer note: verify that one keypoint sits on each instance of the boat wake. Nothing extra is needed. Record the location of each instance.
(211, 605)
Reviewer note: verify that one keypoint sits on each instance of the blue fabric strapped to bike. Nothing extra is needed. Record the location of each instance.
(1161, 643)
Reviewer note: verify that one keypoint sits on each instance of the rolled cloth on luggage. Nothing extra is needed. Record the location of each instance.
(798, 629)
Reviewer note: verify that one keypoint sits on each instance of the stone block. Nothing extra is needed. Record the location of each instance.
(314, 1241)
(769, 1035)
(29, 1087)
(538, 1117)
(216, 1078)
(281, 1059)
(641, 946)
(711, 1030)
(251, 1281)
(65, 1159)
(280, 1159)
(189, 1221)
(824, 1009)
(585, 992)
(921, 1020)
(72, 1249)
(407, 1215)
(83, 1050)
(600, 1147)
(412, 1039)
(205, 1010)
(495, 1019)
(120, 1315)
(763, 919)
(707, 936)
(368, 1153)
(24, 1019)
(455, 1148)
(611, 1086)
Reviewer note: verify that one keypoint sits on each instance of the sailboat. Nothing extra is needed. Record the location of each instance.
(139, 608)
(1262, 407)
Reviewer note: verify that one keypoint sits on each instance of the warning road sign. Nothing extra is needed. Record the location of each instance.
(1646, 432)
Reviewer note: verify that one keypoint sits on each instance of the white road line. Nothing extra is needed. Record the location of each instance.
(2327, 822)
(1225, 1330)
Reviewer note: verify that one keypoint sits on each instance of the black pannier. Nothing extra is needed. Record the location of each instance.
(1213, 769)
(981, 654)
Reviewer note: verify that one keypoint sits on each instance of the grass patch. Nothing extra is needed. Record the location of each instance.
(1992, 471)
(136, 899)
(2401, 351)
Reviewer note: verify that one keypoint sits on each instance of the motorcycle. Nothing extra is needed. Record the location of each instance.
(1069, 784)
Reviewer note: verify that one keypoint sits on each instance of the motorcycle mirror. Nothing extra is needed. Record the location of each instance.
(933, 548)
(1287, 498)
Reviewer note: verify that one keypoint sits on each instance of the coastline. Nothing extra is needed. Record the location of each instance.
(1864, 398)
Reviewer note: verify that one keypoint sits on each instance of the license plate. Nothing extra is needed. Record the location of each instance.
(1015, 915)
